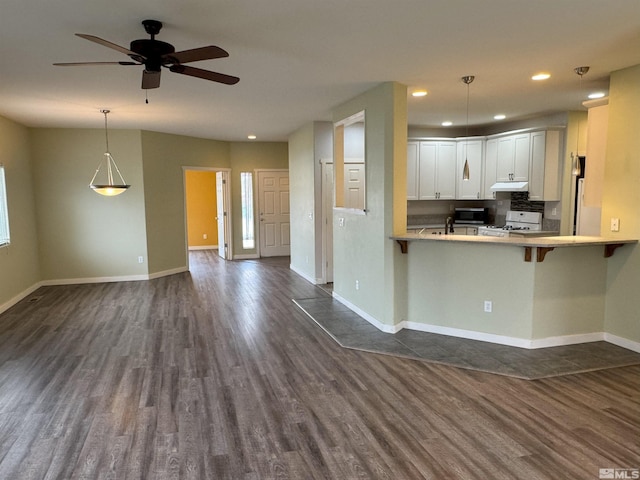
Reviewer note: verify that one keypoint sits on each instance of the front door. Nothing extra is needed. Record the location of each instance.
(273, 203)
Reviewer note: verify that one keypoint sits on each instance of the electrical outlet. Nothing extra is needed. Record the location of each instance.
(204, 236)
(554, 211)
(615, 224)
(357, 285)
(140, 259)
(488, 306)
(341, 221)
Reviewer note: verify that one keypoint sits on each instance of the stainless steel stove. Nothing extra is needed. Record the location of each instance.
(515, 221)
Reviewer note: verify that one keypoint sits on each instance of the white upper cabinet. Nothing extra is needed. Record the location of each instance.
(513, 158)
(545, 177)
(472, 151)
(437, 170)
(490, 167)
(412, 170)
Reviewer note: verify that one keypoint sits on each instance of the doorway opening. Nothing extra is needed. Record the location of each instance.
(207, 207)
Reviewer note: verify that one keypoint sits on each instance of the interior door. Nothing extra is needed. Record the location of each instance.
(221, 213)
(273, 202)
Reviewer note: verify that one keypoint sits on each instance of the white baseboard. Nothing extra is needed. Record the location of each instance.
(308, 278)
(11, 302)
(468, 334)
(122, 278)
(78, 281)
(166, 273)
(379, 325)
(204, 247)
(246, 256)
(622, 342)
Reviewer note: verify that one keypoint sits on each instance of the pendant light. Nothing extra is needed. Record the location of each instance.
(465, 170)
(108, 188)
(576, 169)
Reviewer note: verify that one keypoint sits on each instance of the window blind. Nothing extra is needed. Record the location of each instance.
(4, 212)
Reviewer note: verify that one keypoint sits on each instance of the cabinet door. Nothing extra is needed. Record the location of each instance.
(412, 171)
(427, 170)
(506, 155)
(536, 176)
(490, 165)
(521, 157)
(472, 152)
(446, 171)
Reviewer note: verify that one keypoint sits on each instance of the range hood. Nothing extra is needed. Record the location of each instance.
(510, 187)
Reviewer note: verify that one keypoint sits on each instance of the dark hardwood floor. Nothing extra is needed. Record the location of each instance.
(216, 374)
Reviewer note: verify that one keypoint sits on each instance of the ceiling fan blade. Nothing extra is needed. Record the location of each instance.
(106, 43)
(74, 64)
(205, 74)
(150, 79)
(195, 54)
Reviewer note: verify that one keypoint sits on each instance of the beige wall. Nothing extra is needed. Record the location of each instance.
(362, 249)
(19, 262)
(621, 198)
(82, 234)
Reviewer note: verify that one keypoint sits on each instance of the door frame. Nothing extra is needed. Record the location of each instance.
(327, 204)
(227, 199)
(257, 199)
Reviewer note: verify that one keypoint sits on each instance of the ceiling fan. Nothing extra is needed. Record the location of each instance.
(154, 54)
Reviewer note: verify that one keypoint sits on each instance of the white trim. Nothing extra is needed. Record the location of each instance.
(246, 256)
(303, 275)
(379, 325)
(22, 295)
(204, 247)
(468, 334)
(123, 278)
(80, 281)
(622, 342)
(166, 273)
(567, 340)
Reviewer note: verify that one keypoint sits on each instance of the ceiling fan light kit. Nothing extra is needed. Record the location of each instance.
(154, 54)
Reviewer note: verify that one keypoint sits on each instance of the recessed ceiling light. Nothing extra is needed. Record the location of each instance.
(595, 95)
(251, 137)
(541, 76)
(499, 117)
(419, 93)
(447, 124)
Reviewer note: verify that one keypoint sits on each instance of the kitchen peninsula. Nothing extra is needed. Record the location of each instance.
(499, 289)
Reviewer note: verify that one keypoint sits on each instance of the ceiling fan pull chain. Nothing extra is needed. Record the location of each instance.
(146, 96)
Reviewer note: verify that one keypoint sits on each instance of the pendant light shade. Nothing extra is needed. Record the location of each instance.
(103, 180)
(576, 169)
(465, 170)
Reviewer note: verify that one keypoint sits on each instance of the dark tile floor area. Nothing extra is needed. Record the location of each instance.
(352, 331)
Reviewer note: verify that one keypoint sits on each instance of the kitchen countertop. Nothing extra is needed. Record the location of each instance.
(542, 244)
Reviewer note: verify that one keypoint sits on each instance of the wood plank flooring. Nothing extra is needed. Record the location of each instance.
(216, 374)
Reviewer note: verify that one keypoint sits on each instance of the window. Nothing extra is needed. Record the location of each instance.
(4, 212)
(246, 192)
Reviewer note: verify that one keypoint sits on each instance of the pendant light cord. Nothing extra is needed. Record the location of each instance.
(106, 132)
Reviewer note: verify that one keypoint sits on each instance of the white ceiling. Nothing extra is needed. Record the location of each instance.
(297, 59)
